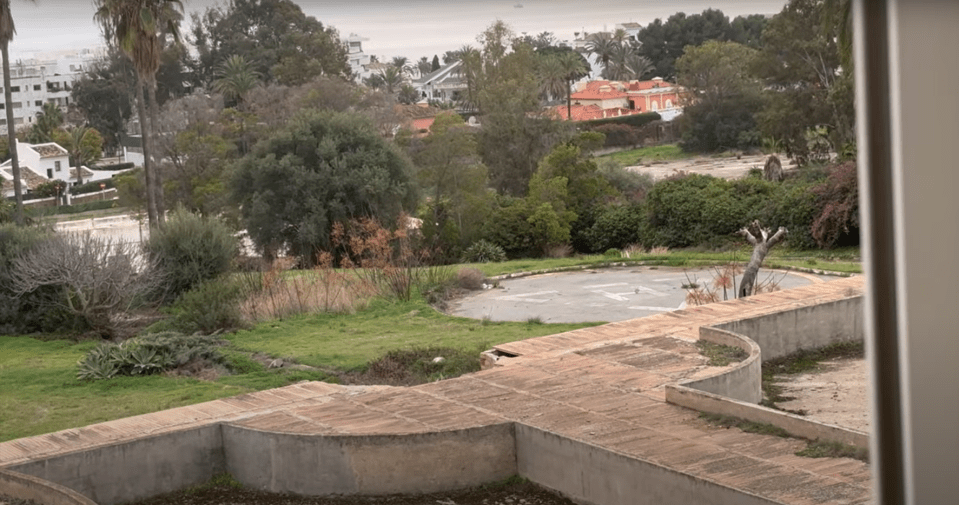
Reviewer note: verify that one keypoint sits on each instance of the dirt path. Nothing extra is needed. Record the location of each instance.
(835, 394)
(726, 168)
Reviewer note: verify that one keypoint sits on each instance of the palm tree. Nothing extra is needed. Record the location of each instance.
(7, 30)
(552, 77)
(392, 78)
(626, 64)
(49, 119)
(603, 45)
(80, 153)
(138, 28)
(235, 78)
(574, 68)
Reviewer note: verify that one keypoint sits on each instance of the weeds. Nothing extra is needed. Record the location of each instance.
(719, 354)
(813, 449)
(799, 362)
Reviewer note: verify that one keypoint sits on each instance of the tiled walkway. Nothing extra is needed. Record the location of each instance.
(601, 385)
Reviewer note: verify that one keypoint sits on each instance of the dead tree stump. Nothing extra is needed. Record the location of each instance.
(761, 247)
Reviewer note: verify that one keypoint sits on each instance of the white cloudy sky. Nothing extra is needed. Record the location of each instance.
(411, 28)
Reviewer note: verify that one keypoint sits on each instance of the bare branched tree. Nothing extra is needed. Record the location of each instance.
(101, 280)
(761, 246)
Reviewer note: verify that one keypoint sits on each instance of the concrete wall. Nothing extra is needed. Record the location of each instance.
(589, 474)
(733, 392)
(374, 464)
(786, 332)
(743, 381)
(136, 469)
(796, 425)
(28, 487)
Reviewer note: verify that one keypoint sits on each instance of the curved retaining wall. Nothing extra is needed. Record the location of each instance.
(733, 392)
(28, 487)
(369, 464)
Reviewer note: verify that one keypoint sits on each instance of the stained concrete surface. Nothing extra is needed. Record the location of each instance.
(612, 294)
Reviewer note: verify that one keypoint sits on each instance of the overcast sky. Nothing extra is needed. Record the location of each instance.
(411, 28)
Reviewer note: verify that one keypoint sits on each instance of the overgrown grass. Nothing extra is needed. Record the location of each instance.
(652, 154)
(39, 391)
(813, 449)
(719, 354)
(800, 362)
(349, 342)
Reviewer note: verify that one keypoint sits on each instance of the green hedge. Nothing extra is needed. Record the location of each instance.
(71, 209)
(631, 120)
(114, 166)
(92, 187)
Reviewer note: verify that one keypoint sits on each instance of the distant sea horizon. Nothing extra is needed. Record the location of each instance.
(414, 29)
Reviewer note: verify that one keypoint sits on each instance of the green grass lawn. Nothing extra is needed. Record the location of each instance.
(39, 391)
(648, 155)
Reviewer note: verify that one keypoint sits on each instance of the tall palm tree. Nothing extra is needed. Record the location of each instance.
(552, 77)
(138, 28)
(7, 30)
(49, 119)
(603, 45)
(574, 68)
(235, 78)
(626, 64)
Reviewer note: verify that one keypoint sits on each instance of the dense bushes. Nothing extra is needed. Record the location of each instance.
(631, 119)
(190, 249)
(92, 187)
(619, 135)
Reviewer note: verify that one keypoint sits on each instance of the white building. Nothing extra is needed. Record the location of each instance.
(47, 78)
(359, 61)
(41, 163)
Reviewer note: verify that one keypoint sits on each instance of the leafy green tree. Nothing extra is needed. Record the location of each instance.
(450, 171)
(281, 41)
(663, 42)
(322, 168)
(727, 96)
(103, 96)
(807, 87)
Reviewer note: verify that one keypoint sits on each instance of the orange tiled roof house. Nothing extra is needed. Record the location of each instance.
(604, 99)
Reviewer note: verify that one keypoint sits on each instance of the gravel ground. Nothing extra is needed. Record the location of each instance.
(520, 493)
(6, 500)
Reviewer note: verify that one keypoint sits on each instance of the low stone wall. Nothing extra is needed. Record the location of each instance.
(28, 487)
(743, 381)
(733, 392)
(589, 474)
(372, 464)
(136, 469)
(783, 333)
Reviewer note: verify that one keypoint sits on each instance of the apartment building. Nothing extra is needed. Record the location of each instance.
(46, 78)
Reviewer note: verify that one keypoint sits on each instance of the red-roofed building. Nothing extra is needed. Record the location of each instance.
(603, 99)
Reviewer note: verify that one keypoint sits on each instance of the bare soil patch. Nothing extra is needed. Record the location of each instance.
(729, 167)
(835, 393)
(512, 493)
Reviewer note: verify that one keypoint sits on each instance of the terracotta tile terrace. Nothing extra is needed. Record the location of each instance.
(603, 386)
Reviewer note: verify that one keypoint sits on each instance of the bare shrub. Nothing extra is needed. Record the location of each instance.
(101, 280)
(659, 250)
(559, 251)
(633, 250)
(723, 284)
(470, 278)
(385, 259)
(276, 294)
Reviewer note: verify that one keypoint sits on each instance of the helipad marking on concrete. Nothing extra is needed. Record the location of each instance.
(597, 286)
(615, 296)
(522, 298)
(650, 291)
